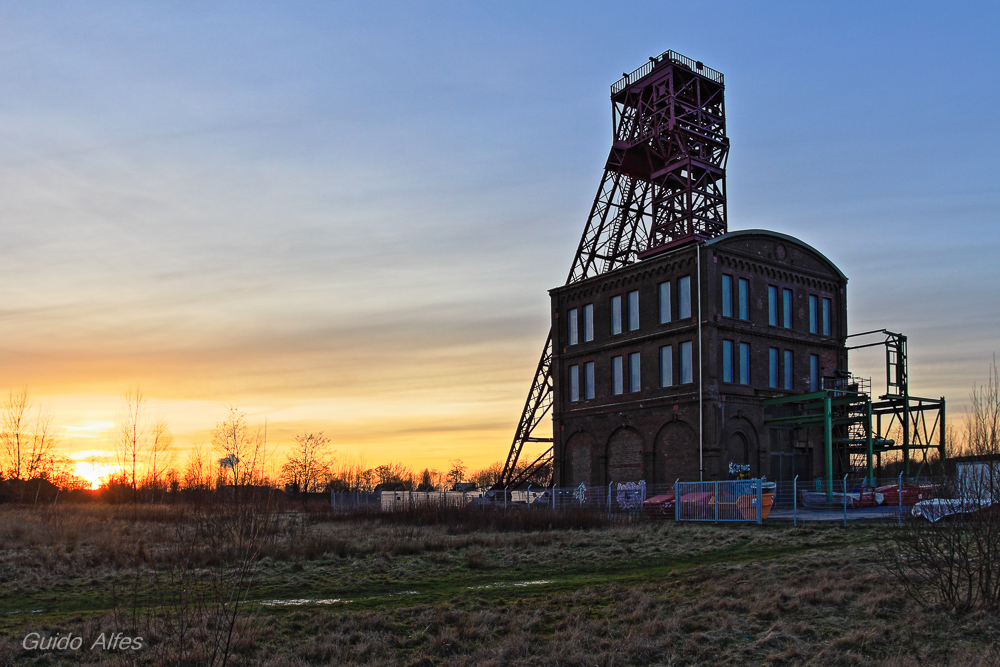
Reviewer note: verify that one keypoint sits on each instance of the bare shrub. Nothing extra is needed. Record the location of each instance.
(955, 560)
(190, 599)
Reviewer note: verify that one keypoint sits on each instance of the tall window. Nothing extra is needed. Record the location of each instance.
(634, 382)
(616, 315)
(571, 326)
(633, 310)
(772, 367)
(744, 363)
(664, 290)
(744, 299)
(813, 314)
(574, 384)
(667, 366)
(684, 298)
(727, 361)
(813, 372)
(687, 365)
(826, 317)
(588, 380)
(789, 371)
(787, 308)
(727, 295)
(772, 305)
(617, 376)
(588, 323)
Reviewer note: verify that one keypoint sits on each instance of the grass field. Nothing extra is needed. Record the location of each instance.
(368, 592)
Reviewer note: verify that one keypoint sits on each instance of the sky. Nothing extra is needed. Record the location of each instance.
(346, 216)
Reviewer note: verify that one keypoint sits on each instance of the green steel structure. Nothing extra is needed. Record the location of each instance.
(856, 430)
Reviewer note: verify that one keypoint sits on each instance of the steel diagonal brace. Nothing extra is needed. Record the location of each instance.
(537, 405)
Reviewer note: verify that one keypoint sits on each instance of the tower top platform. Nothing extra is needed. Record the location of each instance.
(668, 56)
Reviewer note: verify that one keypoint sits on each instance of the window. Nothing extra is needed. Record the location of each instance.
(667, 366)
(588, 380)
(727, 361)
(634, 383)
(571, 328)
(813, 314)
(684, 298)
(588, 323)
(617, 380)
(744, 299)
(687, 367)
(616, 315)
(772, 305)
(727, 296)
(633, 310)
(744, 363)
(826, 317)
(664, 302)
(787, 309)
(813, 372)
(574, 384)
(772, 367)
(789, 371)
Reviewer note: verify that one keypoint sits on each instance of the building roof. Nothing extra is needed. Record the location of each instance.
(766, 232)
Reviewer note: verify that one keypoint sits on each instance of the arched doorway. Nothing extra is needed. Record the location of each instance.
(740, 456)
(579, 460)
(625, 456)
(676, 454)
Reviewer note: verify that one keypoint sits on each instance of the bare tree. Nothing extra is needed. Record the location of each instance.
(488, 476)
(956, 560)
(308, 463)
(26, 444)
(426, 481)
(131, 437)
(243, 448)
(395, 475)
(197, 469)
(457, 472)
(983, 421)
(158, 457)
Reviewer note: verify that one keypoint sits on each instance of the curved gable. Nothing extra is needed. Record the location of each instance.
(799, 253)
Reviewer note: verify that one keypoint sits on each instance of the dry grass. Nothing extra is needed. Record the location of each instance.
(619, 594)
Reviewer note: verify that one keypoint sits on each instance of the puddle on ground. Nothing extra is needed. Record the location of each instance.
(26, 611)
(511, 584)
(301, 602)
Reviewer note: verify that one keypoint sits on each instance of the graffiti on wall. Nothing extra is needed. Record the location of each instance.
(631, 494)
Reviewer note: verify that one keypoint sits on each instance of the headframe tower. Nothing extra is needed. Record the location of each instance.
(664, 185)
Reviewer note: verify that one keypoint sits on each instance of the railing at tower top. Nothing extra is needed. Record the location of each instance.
(695, 66)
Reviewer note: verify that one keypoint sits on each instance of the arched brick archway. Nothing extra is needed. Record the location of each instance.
(625, 456)
(676, 453)
(579, 460)
(740, 448)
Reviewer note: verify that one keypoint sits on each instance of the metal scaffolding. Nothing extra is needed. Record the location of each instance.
(857, 430)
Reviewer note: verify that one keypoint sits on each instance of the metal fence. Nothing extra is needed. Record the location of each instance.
(740, 500)
(352, 502)
(756, 500)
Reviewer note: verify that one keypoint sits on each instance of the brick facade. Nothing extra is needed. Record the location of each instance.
(653, 433)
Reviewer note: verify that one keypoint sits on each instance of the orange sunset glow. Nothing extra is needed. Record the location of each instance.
(317, 231)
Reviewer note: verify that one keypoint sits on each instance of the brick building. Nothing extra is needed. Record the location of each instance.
(638, 397)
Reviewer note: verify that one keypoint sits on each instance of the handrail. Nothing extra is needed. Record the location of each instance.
(695, 66)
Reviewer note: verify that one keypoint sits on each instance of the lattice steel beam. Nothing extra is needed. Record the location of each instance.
(664, 185)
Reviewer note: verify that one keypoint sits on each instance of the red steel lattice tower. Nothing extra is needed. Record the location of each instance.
(664, 186)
